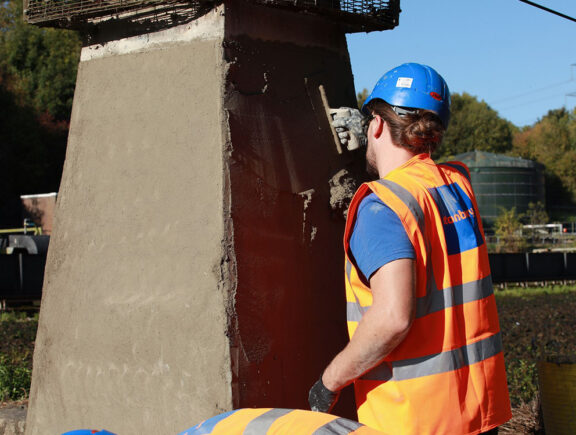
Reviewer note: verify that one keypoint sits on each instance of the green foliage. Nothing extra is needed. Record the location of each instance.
(37, 80)
(508, 230)
(552, 142)
(361, 97)
(474, 125)
(14, 316)
(15, 378)
(32, 149)
(17, 336)
(40, 64)
(535, 215)
(522, 379)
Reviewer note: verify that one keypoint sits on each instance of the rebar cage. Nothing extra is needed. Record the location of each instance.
(354, 15)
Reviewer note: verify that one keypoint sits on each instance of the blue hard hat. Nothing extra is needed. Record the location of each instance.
(412, 85)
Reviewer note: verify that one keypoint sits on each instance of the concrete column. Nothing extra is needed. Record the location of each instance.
(196, 264)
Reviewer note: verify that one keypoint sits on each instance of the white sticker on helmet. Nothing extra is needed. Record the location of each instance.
(404, 82)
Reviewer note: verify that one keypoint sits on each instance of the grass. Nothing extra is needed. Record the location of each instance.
(17, 335)
(536, 323)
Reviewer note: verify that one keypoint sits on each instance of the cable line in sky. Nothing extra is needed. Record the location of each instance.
(530, 102)
(544, 8)
(513, 97)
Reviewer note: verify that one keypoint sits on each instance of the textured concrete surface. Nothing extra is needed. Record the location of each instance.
(12, 420)
(195, 264)
(132, 325)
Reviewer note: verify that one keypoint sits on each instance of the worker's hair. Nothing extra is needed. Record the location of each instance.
(419, 131)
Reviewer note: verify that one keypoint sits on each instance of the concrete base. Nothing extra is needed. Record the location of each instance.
(196, 264)
(12, 420)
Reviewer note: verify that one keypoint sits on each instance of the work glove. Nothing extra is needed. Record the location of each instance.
(321, 399)
(348, 125)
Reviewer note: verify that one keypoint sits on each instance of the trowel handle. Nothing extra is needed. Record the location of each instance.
(329, 115)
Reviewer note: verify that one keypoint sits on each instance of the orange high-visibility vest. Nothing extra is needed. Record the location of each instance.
(447, 376)
(278, 421)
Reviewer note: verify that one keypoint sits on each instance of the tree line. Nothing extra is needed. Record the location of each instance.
(37, 80)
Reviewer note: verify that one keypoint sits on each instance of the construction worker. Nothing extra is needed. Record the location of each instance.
(425, 352)
(278, 421)
(267, 421)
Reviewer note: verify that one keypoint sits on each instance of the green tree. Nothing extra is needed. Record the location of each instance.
(555, 132)
(32, 150)
(37, 79)
(508, 231)
(552, 142)
(535, 215)
(39, 64)
(474, 125)
(361, 97)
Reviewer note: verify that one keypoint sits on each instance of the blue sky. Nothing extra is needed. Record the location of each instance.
(514, 56)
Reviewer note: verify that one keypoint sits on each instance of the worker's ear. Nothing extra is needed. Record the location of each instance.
(379, 125)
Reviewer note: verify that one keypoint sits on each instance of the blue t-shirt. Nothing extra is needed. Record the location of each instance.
(378, 237)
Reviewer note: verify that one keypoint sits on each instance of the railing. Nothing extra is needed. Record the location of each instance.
(21, 277)
(22, 269)
(528, 267)
(355, 15)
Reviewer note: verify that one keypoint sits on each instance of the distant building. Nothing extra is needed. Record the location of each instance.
(39, 208)
(501, 181)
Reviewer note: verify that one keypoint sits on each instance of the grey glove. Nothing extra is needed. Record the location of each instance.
(348, 124)
(321, 399)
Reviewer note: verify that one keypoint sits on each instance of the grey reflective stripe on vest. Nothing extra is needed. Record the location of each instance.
(355, 311)
(439, 363)
(262, 423)
(459, 169)
(408, 199)
(340, 426)
(438, 300)
(349, 271)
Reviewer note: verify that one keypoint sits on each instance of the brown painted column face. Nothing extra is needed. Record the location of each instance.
(289, 302)
(196, 262)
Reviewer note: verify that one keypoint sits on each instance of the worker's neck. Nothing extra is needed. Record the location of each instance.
(392, 157)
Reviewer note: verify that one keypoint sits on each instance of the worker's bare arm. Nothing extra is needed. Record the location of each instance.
(382, 327)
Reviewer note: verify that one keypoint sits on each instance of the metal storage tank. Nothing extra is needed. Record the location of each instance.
(503, 182)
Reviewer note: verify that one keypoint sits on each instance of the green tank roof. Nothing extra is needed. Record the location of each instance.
(483, 159)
